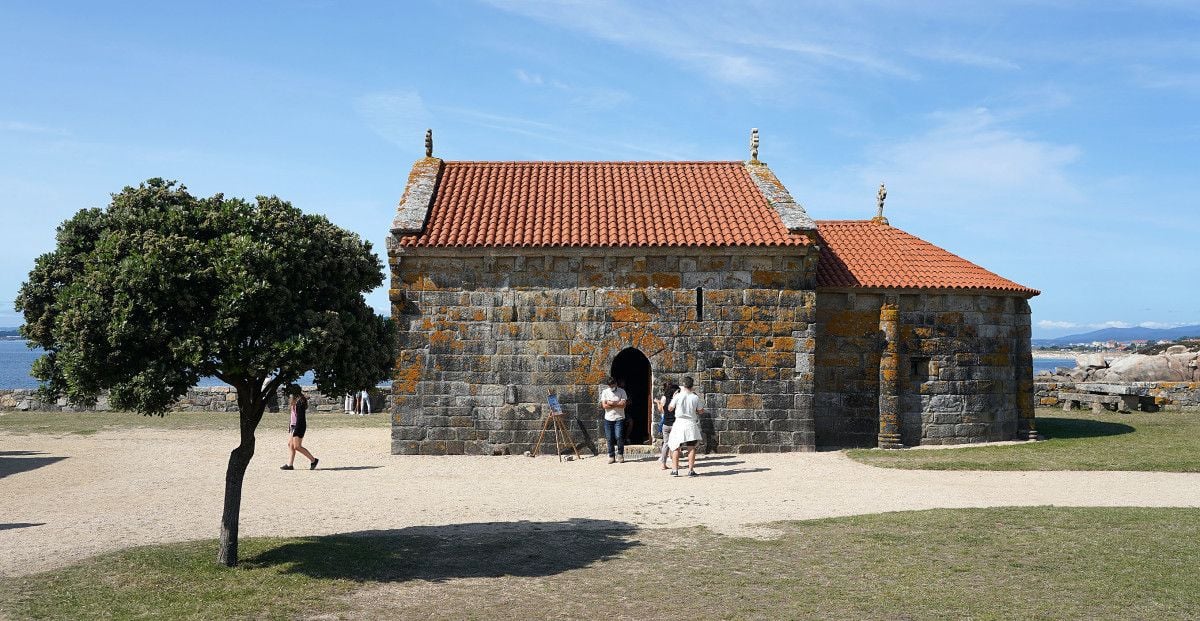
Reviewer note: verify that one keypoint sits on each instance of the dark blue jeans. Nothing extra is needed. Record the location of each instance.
(614, 432)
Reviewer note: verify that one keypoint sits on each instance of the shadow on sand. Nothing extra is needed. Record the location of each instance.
(12, 525)
(1063, 428)
(439, 553)
(721, 473)
(14, 462)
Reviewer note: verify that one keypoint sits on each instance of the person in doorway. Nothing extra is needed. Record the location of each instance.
(668, 418)
(613, 400)
(686, 431)
(299, 424)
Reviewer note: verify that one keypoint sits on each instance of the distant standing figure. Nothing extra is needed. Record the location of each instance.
(686, 432)
(349, 403)
(364, 402)
(668, 418)
(299, 424)
(613, 400)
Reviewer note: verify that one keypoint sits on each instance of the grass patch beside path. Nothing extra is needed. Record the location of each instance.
(87, 423)
(1143, 441)
(1034, 562)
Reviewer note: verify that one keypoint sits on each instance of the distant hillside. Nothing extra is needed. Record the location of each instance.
(1124, 334)
(9, 333)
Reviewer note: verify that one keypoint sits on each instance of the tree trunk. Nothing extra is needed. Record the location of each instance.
(250, 412)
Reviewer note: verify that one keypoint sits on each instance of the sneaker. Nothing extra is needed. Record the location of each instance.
(693, 473)
(612, 460)
(620, 459)
(286, 467)
(674, 473)
(313, 465)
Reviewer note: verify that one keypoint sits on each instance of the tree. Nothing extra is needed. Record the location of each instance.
(144, 298)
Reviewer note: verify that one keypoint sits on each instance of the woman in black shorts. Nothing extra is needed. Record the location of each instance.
(296, 430)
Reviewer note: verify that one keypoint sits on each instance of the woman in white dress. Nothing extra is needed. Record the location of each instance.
(686, 430)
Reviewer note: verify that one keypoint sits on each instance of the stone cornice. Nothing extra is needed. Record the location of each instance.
(795, 218)
(413, 210)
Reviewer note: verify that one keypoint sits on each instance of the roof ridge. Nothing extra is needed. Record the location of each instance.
(598, 162)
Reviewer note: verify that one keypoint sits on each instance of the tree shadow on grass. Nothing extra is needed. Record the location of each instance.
(439, 553)
(14, 465)
(1065, 428)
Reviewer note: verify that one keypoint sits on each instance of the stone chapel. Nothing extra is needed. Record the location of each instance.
(511, 279)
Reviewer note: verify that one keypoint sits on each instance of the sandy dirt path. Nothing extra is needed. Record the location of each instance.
(84, 495)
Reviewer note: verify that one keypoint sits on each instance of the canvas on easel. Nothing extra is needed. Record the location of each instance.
(555, 418)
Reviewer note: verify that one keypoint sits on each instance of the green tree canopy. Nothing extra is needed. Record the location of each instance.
(144, 298)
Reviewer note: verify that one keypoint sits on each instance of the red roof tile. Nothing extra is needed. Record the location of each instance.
(507, 204)
(863, 253)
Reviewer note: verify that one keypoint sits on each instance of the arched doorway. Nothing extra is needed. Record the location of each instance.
(631, 369)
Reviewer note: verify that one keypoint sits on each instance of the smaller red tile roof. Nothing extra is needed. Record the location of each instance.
(599, 204)
(864, 253)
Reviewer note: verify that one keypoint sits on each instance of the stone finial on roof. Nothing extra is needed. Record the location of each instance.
(429, 143)
(754, 144)
(880, 196)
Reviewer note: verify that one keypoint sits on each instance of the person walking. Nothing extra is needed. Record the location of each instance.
(364, 402)
(613, 400)
(299, 424)
(686, 431)
(668, 418)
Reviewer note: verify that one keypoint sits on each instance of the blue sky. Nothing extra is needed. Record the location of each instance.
(1055, 143)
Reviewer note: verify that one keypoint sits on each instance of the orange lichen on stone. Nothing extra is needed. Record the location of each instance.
(408, 376)
(950, 318)
(784, 343)
(744, 402)
(665, 280)
(995, 360)
(640, 281)
(852, 323)
(768, 278)
(478, 315)
(629, 313)
(618, 298)
(441, 337)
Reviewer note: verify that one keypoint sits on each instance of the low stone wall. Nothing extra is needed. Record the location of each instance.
(1167, 395)
(207, 399)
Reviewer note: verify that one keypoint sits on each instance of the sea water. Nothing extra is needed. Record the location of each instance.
(16, 361)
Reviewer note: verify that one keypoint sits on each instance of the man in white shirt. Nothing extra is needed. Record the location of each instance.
(686, 430)
(613, 400)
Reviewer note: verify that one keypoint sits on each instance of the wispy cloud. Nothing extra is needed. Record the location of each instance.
(398, 116)
(32, 128)
(1049, 324)
(955, 56)
(969, 158)
(734, 44)
(401, 117)
(587, 97)
(1056, 325)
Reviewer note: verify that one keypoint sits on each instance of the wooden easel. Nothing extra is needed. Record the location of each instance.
(561, 435)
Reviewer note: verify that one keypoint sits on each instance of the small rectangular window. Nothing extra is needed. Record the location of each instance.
(920, 368)
(699, 303)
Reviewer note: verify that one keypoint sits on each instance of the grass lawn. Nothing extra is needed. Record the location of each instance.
(1038, 562)
(86, 423)
(1161, 441)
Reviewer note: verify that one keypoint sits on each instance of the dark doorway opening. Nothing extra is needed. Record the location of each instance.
(631, 369)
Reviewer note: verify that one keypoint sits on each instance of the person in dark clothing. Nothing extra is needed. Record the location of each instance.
(668, 418)
(299, 424)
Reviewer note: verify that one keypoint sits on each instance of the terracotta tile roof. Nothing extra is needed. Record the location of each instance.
(863, 253)
(507, 204)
